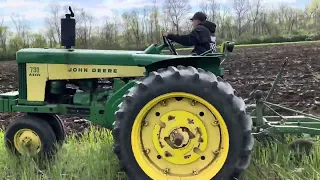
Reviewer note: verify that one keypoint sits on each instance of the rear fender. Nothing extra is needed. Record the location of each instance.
(155, 62)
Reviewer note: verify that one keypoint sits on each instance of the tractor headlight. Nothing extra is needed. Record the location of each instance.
(227, 47)
(230, 46)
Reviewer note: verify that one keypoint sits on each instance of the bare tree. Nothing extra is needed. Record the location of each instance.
(256, 8)
(3, 37)
(50, 35)
(241, 8)
(84, 28)
(165, 19)
(134, 26)
(146, 26)
(291, 18)
(155, 17)
(177, 10)
(109, 33)
(221, 20)
(53, 21)
(314, 10)
(22, 28)
(211, 8)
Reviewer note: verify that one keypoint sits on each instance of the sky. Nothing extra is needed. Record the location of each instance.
(35, 11)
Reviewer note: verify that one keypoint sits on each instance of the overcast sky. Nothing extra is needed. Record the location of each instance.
(34, 11)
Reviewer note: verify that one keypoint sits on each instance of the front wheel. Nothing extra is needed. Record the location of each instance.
(31, 136)
(182, 123)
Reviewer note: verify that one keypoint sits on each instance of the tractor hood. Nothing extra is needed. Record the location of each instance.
(77, 56)
(93, 57)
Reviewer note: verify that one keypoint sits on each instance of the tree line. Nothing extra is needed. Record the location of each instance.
(245, 21)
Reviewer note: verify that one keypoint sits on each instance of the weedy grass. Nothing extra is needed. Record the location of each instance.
(277, 161)
(88, 157)
(91, 157)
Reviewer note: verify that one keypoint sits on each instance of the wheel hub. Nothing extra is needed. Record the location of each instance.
(27, 141)
(180, 137)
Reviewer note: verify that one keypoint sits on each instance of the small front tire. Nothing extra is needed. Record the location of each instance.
(56, 124)
(32, 136)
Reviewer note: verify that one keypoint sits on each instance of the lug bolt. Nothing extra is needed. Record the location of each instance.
(166, 171)
(145, 124)
(200, 140)
(215, 123)
(146, 151)
(170, 118)
(216, 152)
(26, 140)
(167, 154)
(163, 103)
(195, 172)
(190, 121)
(193, 102)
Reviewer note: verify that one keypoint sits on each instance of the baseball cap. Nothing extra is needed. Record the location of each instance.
(199, 16)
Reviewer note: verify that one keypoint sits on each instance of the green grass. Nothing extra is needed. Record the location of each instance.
(278, 162)
(91, 157)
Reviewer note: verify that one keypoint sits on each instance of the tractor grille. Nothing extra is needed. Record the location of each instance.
(22, 81)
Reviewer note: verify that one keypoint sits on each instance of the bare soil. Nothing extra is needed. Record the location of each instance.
(255, 68)
(250, 68)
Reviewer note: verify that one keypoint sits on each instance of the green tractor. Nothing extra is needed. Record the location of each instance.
(171, 116)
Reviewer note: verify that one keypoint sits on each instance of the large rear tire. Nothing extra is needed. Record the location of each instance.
(182, 123)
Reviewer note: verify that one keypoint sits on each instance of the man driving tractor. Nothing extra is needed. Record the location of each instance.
(202, 37)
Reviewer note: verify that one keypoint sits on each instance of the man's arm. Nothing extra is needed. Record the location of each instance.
(185, 40)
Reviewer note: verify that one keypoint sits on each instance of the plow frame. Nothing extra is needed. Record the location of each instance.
(298, 123)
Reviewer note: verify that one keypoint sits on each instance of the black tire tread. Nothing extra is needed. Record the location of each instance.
(41, 127)
(56, 124)
(182, 73)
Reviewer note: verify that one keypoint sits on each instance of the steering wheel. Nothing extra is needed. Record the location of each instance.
(170, 46)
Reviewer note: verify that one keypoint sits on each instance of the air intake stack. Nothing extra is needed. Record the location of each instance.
(68, 30)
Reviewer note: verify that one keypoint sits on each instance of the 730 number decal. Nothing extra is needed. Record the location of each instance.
(34, 71)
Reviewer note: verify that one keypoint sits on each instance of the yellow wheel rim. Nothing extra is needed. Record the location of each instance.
(27, 142)
(180, 136)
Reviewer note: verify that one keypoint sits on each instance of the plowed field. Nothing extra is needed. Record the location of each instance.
(251, 68)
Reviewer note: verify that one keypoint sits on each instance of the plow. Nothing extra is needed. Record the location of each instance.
(269, 123)
(171, 116)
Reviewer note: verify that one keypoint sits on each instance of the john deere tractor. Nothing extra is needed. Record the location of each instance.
(171, 116)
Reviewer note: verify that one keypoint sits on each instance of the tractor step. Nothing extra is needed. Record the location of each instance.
(7, 100)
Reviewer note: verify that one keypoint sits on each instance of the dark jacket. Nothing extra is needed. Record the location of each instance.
(200, 37)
